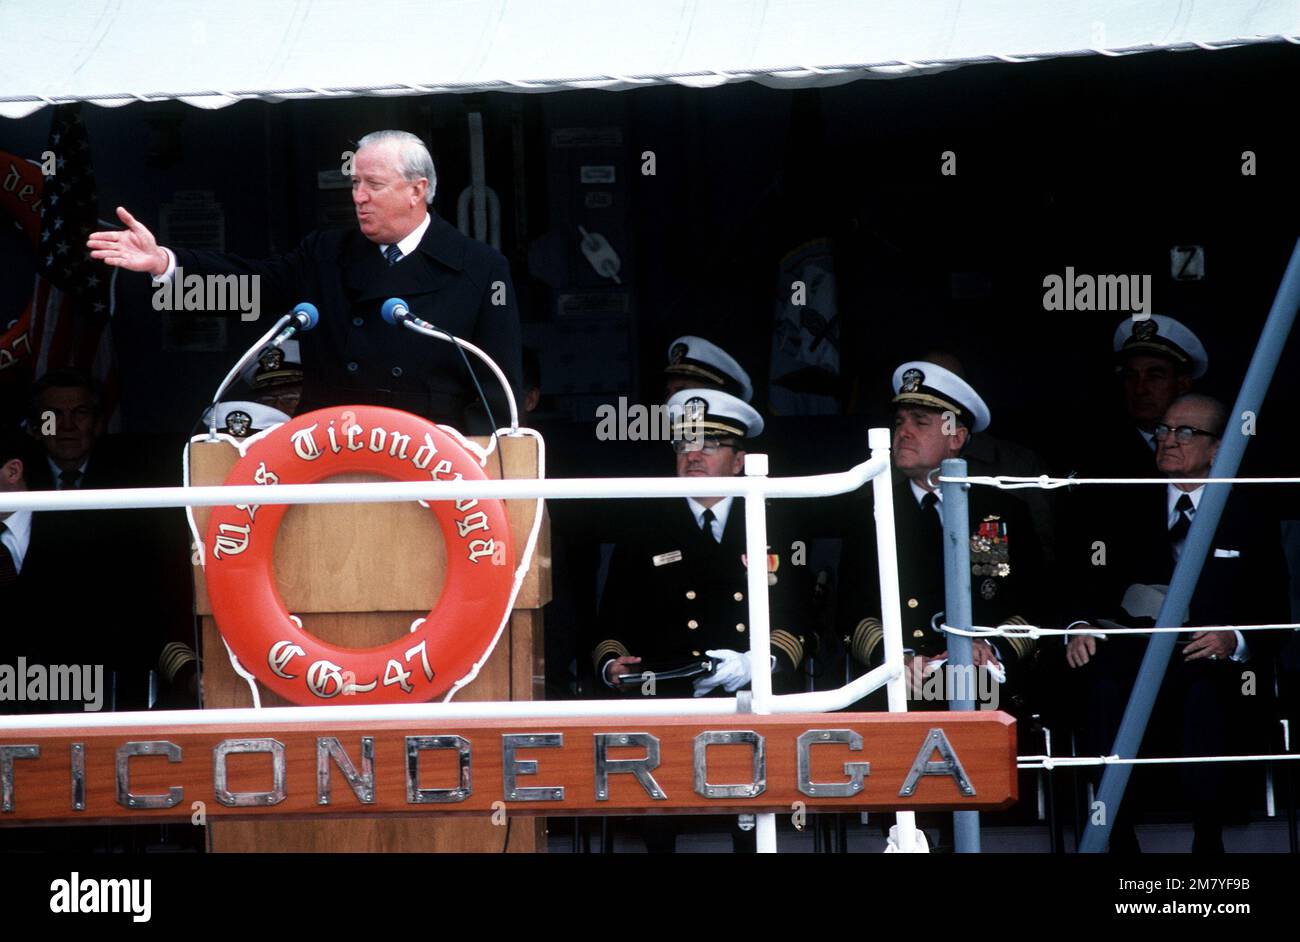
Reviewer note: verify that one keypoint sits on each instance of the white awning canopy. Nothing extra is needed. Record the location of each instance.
(212, 54)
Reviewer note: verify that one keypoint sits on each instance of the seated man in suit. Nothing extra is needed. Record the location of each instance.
(1214, 674)
(399, 249)
(936, 413)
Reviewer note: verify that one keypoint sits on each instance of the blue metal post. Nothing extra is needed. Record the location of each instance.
(1174, 611)
(957, 613)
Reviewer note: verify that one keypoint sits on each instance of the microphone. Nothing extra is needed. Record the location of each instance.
(395, 311)
(304, 318)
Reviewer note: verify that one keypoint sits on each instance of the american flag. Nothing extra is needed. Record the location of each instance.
(74, 293)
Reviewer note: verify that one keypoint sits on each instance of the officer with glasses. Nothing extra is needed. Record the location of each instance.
(674, 615)
(1209, 702)
(676, 593)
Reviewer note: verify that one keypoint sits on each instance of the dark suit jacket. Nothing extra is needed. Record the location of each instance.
(1247, 588)
(1017, 597)
(1118, 450)
(74, 604)
(353, 357)
(674, 593)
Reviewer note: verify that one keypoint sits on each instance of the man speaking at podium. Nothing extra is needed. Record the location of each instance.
(400, 249)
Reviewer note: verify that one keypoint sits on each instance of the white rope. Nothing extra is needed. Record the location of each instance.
(521, 571)
(1008, 482)
(1034, 631)
(1053, 762)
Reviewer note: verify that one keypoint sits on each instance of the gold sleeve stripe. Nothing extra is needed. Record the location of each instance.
(1021, 645)
(175, 656)
(866, 638)
(607, 649)
(790, 644)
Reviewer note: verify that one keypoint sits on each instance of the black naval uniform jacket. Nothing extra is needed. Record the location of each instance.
(996, 599)
(353, 357)
(673, 593)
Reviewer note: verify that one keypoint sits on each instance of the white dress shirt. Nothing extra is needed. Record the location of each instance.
(58, 472)
(17, 535)
(1149, 438)
(408, 244)
(919, 493)
(721, 510)
(1172, 495)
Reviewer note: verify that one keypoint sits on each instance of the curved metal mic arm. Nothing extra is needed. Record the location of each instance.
(410, 323)
(239, 368)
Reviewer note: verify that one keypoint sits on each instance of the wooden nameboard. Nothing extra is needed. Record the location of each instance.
(486, 771)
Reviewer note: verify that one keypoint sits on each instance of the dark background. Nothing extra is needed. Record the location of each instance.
(1098, 163)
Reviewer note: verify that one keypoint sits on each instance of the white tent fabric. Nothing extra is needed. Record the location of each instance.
(212, 53)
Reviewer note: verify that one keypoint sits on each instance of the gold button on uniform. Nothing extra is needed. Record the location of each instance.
(695, 654)
(912, 603)
(739, 596)
(918, 633)
(690, 593)
(741, 626)
(692, 624)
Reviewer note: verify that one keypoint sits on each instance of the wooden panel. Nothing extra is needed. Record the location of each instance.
(984, 743)
(358, 575)
(374, 557)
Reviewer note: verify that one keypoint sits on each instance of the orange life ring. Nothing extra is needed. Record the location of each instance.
(241, 582)
(20, 198)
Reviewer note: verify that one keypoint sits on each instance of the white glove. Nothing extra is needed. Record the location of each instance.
(735, 671)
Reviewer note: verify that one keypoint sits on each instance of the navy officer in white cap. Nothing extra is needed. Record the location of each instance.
(1157, 359)
(674, 616)
(935, 414)
(694, 362)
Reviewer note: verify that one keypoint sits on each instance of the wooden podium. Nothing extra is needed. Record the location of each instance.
(357, 575)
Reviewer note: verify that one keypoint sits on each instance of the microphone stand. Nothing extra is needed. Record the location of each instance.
(428, 330)
(239, 367)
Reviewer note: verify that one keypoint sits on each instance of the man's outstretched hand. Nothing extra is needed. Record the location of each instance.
(134, 248)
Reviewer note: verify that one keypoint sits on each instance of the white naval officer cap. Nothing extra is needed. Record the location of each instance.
(1160, 335)
(242, 419)
(921, 383)
(700, 360)
(713, 412)
(275, 366)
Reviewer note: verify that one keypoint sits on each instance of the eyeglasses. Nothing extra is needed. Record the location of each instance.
(708, 446)
(1183, 434)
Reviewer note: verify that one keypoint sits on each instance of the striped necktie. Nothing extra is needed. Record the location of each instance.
(393, 254)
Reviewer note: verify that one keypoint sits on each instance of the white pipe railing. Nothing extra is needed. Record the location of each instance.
(755, 487)
(136, 498)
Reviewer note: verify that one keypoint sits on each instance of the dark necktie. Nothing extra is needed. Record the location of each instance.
(393, 254)
(706, 523)
(1178, 532)
(930, 511)
(69, 480)
(8, 571)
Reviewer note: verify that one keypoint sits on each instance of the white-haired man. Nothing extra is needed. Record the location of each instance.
(399, 249)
